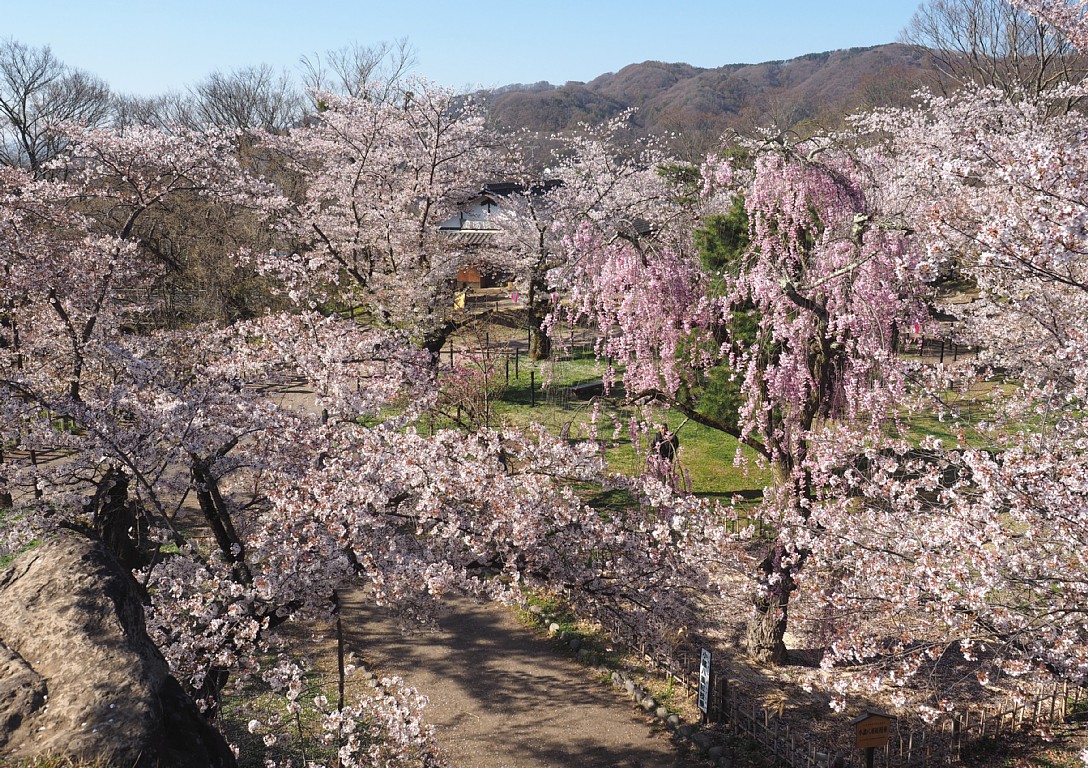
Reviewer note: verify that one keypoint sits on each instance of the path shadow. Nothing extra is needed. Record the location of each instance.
(502, 696)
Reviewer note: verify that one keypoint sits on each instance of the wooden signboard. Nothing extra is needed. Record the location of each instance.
(873, 729)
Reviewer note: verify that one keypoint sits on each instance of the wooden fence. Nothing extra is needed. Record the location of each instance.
(736, 713)
(941, 349)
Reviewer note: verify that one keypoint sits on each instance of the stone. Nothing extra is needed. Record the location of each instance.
(673, 721)
(703, 740)
(684, 731)
(575, 643)
(715, 752)
(72, 624)
(553, 628)
(661, 712)
(22, 690)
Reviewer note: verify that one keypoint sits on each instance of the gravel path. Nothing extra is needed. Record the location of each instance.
(501, 697)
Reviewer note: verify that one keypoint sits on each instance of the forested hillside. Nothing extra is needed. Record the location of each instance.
(817, 87)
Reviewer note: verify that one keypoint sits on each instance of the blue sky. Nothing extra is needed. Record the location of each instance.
(155, 46)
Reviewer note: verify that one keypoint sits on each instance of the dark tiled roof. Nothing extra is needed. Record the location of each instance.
(470, 236)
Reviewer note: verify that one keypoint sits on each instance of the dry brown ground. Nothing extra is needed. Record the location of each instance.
(503, 697)
(795, 694)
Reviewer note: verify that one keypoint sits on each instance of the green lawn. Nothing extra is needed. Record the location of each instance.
(540, 392)
(524, 391)
(963, 413)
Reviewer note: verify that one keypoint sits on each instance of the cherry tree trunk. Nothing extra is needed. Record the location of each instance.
(217, 514)
(436, 339)
(766, 631)
(540, 344)
(117, 521)
(6, 499)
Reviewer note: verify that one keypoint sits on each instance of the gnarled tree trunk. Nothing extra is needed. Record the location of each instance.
(765, 635)
(766, 631)
(540, 344)
(117, 521)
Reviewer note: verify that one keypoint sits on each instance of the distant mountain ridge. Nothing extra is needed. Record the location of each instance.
(818, 87)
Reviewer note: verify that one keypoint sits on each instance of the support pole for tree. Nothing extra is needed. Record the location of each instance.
(340, 668)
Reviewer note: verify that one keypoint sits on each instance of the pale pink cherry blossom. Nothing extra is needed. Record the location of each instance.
(377, 180)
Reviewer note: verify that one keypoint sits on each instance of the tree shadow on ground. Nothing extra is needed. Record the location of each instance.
(502, 696)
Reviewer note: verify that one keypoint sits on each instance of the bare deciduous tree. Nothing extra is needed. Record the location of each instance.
(38, 91)
(162, 112)
(251, 97)
(371, 72)
(992, 43)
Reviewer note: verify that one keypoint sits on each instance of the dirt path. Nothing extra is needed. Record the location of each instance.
(501, 697)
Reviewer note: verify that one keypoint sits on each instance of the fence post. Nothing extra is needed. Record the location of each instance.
(532, 388)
